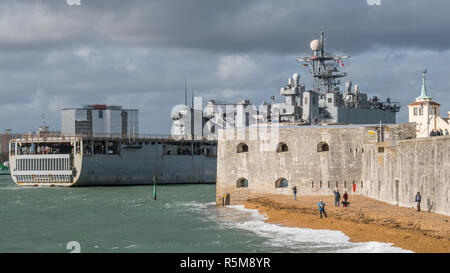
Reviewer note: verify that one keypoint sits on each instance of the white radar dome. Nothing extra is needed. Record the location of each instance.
(296, 76)
(315, 45)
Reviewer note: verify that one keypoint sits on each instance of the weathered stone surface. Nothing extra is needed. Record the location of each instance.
(385, 162)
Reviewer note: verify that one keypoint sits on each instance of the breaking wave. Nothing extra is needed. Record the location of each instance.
(279, 238)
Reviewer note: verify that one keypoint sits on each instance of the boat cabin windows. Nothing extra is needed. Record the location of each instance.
(45, 148)
(186, 148)
(106, 147)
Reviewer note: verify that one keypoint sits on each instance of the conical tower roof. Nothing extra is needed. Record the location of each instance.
(423, 93)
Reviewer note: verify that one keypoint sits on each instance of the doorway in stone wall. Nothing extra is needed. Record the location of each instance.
(396, 193)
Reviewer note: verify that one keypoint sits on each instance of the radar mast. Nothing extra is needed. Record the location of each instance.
(325, 68)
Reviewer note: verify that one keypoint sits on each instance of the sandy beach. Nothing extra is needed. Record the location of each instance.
(364, 220)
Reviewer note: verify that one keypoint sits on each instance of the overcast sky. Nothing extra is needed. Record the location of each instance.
(138, 53)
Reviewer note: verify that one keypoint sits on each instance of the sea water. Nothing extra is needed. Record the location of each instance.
(184, 218)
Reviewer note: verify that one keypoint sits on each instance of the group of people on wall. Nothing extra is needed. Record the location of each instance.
(438, 132)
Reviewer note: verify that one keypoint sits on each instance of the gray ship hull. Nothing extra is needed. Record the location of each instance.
(139, 168)
(87, 161)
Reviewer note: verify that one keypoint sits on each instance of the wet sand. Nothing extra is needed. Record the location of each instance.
(364, 220)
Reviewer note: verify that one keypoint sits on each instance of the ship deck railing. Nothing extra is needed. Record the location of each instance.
(60, 137)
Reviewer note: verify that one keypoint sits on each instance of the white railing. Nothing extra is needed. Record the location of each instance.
(58, 136)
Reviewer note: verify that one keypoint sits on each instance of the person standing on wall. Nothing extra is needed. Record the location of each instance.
(337, 197)
(418, 199)
(321, 205)
(294, 190)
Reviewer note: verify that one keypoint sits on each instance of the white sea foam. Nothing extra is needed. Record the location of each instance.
(292, 239)
(282, 238)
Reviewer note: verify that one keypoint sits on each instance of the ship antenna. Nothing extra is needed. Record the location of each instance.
(43, 119)
(185, 91)
(322, 40)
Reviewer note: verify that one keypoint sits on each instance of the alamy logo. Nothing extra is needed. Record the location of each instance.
(373, 2)
(74, 2)
(74, 246)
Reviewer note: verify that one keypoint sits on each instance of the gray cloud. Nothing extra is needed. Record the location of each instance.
(281, 26)
(138, 53)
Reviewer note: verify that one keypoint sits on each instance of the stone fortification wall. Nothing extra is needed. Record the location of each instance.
(384, 162)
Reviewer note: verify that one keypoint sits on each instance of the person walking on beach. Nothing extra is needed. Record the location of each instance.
(337, 197)
(345, 196)
(294, 190)
(418, 199)
(321, 205)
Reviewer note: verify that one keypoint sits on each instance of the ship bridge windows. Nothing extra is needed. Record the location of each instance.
(282, 147)
(242, 183)
(242, 148)
(323, 147)
(281, 183)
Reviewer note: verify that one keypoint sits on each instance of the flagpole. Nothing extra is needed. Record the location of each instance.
(154, 187)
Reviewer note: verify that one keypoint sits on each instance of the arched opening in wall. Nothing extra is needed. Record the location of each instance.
(281, 183)
(329, 184)
(282, 147)
(323, 147)
(242, 183)
(242, 148)
(361, 184)
(320, 184)
(337, 184)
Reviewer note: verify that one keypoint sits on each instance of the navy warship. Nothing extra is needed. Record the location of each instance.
(101, 145)
(323, 104)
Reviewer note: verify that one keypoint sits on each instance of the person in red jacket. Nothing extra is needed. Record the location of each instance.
(345, 196)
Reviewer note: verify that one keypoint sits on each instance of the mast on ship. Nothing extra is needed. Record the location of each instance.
(324, 67)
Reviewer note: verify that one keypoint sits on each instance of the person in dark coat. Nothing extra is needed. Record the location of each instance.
(337, 197)
(294, 190)
(418, 199)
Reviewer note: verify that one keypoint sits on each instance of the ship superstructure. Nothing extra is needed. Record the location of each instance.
(102, 152)
(323, 103)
